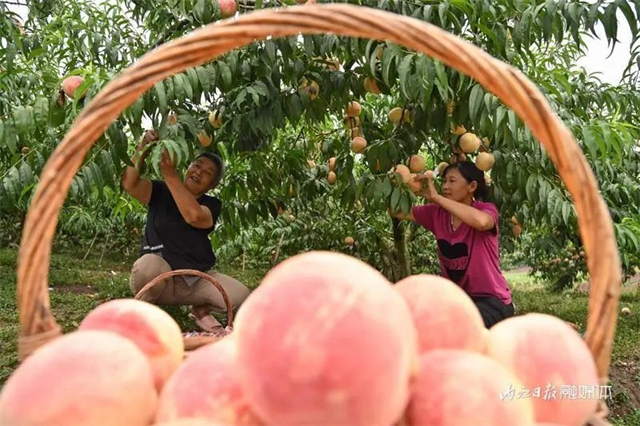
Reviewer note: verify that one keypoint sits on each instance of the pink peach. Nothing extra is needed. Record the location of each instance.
(70, 84)
(153, 330)
(82, 378)
(326, 340)
(462, 388)
(194, 421)
(551, 359)
(228, 8)
(206, 386)
(444, 315)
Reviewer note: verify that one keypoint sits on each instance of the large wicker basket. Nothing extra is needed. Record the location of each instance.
(37, 322)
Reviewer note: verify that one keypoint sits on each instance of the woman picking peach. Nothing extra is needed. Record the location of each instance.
(465, 226)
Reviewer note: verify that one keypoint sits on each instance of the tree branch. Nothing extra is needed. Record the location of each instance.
(176, 27)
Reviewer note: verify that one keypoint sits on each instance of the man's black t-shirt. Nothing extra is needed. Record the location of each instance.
(166, 232)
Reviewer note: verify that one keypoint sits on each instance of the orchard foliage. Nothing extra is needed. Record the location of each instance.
(271, 118)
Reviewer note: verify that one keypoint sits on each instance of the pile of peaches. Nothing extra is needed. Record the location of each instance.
(324, 340)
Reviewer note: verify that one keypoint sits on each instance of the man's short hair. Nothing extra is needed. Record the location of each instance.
(219, 166)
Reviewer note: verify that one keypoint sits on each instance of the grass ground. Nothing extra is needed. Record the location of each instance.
(77, 285)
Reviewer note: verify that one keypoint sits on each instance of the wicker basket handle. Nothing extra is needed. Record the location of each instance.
(200, 274)
(200, 46)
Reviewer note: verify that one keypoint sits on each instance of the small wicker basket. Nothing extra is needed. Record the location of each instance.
(191, 341)
(37, 324)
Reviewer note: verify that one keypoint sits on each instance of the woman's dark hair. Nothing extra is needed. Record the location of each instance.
(219, 166)
(471, 173)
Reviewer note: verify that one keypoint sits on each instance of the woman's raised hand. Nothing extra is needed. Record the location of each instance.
(430, 191)
(421, 177)
(150, 137)
(167, 168)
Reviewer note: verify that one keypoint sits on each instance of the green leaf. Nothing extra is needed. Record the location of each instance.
(25, 173)
(225, 75)
(395, 199)
(387, 187)
(237, 103)
(185, 85)
(603, 142)
(41, 112)
(492, 36)
(194, 81)
(73, 190)
(589, 139)
(443, 8)
(162, 97)
(592, 17)
(427, 70)
(308, 44)
(610, 23)
(573, 12)
(179, 89)
(405, 204)
(521, 29)
(475, 101)
(198, 10)
(547, 24)
(513, 124)
(510, 170)
(554, 203)
(270, 50)
(119, 141)
(442, 82)
(10, 54)
(231, 59)
(403, 73)
(566, 211)
(295, 107)
(56, 112)
(10, 137)
(327, 44)
(97, 177)
(489, 101)
(501, 113)
(635, 240)
(388, 60)
(370, 55)
(261, 88)
(530, 188)
(204, 79)
(22, 117)
(177, 154)
(254, 95)
(543, 189)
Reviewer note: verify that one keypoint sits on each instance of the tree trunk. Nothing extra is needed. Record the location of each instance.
(387, 261)
(403, 260)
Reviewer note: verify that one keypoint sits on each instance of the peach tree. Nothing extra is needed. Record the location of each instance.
(275, 111)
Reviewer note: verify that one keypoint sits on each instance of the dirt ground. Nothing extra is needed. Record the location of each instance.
(625, 378)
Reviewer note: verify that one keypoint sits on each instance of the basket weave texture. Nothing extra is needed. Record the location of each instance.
(516, 92)
(193, 341)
